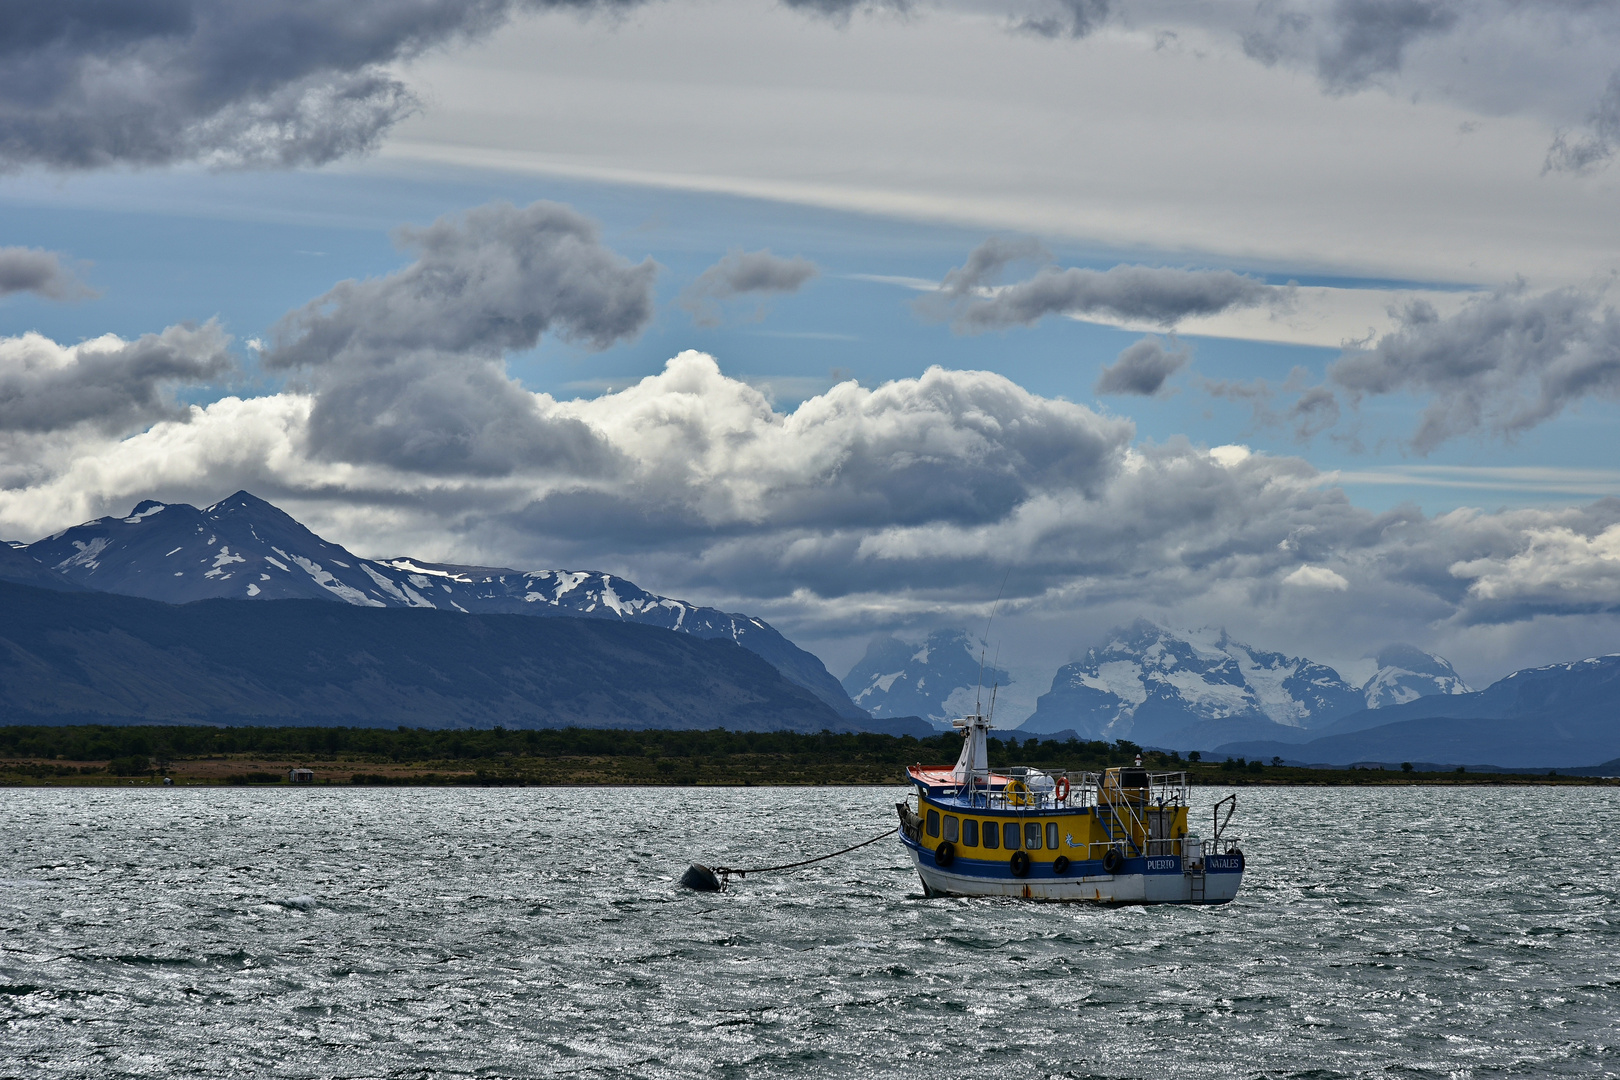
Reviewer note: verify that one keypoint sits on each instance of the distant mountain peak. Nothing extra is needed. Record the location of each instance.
(938, 679)
(1406, 673)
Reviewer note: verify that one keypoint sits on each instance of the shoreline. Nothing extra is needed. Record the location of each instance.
(109, 755)
(766, 771)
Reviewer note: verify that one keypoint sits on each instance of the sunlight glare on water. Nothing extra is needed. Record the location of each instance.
(538, 932)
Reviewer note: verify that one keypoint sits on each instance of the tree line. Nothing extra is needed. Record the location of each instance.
(105, 742)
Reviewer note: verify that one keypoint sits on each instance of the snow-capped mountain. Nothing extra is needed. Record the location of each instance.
(245, 548)
(1189, 691)
(936, 680)
(1557, 716)
(1406, 673)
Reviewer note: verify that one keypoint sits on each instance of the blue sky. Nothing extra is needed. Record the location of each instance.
(1413, 201)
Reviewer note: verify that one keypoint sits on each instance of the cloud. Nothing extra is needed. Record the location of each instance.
(1558, 566)
(486, 283)
(1152, 294)
(1353, 41)
(744, 273)
(109, 383)
(1509, 360)
(1316, 577)
(1072, 19)
(861, 508)
(408, 369)
(84, 84)
(1586, 154)
(1142, 368)
(40, 272)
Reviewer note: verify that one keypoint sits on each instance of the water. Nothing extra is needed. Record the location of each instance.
(536, 932)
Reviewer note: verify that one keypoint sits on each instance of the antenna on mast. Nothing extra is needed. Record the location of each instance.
(984, 643)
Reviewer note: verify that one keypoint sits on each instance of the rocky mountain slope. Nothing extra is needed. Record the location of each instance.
(938, 680)
(244, 548)
(96, 657)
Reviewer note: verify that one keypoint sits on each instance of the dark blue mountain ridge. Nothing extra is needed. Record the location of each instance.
(244, 548)
(93, 657)
(1558, 716)
(18, 566)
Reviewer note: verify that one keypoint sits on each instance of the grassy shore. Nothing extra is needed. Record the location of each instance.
(104, 756)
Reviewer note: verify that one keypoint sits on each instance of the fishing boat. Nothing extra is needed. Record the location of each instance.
(1118, 836)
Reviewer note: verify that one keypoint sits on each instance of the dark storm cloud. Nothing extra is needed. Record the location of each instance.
(1155, 294)
(444, 415)
(407, 371)
(1072, 19)
(39, 272)
(1503, 364)
(487, 283)
(1353, 41)
(1141, 368)
(112, 385)
(92, 83)
(743, 273)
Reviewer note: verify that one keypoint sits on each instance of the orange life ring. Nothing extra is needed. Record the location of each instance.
(1061, 792)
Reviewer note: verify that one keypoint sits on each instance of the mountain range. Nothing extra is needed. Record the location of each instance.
(1196, 690)
(244, 548)
(1546, 717)
(141, 618)
(88, 657)
(940, 679)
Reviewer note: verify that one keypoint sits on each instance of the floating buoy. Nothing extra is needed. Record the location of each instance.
(700, 878)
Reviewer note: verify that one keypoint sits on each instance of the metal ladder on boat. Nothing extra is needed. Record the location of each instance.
(1116, 829)
(1195, 885)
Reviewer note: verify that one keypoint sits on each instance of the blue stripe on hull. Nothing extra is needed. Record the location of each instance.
(1155, 880)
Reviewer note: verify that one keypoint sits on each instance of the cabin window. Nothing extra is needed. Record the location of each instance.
(1009, 835)
(992, 835)
(1032, 835)
(952, 824)
(933, 823)
(970, 833)
(1052, 835)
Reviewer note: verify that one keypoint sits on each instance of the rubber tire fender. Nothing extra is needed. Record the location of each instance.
(1019, 863)
(1060, 865)
(1113, 862)
(945, 853)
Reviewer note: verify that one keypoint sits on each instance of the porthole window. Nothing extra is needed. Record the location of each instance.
(1052, 835)
(1032, 835)
(970, 833)
(1009, 835)
(992, 835)
(933, 823)
(952, 828)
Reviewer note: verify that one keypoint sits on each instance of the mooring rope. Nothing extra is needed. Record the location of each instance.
(729, 872)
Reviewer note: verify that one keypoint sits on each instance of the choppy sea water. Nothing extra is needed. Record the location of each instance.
(538, 932)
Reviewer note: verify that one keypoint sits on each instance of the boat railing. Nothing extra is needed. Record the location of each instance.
(1036, 789)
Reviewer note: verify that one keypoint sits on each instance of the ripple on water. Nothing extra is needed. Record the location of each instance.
(532, 932)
